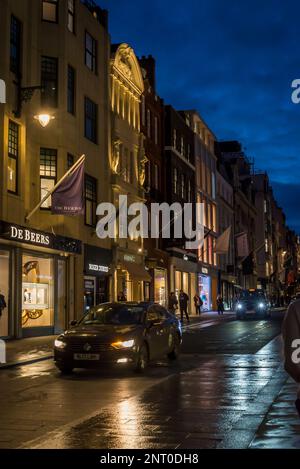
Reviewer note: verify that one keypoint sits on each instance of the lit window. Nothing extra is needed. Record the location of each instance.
(48, 162)
(50, 11)
(13, 155)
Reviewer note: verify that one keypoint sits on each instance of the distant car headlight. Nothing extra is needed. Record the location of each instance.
(261, 305)
(125, 344)
(60, 344)
(239, 306)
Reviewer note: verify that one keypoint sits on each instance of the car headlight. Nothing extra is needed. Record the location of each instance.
(261, 305)
(125, 344)
(239, 306)
(60, 344)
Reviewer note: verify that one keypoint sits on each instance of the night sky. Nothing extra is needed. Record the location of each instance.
(234, 62)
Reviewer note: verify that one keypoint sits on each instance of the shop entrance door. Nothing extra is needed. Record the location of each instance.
(89, 293)
(4, 293)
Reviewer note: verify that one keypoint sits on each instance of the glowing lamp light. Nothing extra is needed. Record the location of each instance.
(44, 119)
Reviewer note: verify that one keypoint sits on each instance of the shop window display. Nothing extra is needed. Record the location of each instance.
(160, 286)
(37, 291)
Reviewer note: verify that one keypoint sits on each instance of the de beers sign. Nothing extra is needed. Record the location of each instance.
(2, 92)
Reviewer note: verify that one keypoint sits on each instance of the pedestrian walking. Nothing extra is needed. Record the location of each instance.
(220, 305)
(173, 303)
(2, 303)
(198, 303)
(183, 304)
(291, 341)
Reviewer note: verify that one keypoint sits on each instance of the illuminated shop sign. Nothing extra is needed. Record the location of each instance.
(129, 258)
(97, 261)
(98, 268)
(34, 237)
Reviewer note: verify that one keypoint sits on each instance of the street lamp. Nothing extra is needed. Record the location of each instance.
(43, 119)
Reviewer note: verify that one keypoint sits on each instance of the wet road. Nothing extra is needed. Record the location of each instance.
(216, 395)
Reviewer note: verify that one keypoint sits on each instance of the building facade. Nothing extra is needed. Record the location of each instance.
(179, 188)
(226, 262)
(205, 185)
(127, 163)
(239, 169)
(152, 126)
(52, 266)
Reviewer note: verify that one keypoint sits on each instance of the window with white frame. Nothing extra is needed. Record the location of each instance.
(48, 168)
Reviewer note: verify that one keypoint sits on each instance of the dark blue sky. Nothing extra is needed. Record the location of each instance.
(234, 62)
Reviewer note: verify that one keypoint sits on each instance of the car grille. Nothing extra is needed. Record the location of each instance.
(77, 345)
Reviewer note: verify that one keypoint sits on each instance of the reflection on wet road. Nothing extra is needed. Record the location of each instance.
(215, 396)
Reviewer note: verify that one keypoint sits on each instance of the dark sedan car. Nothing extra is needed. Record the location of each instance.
(252, 302)
(119, 333)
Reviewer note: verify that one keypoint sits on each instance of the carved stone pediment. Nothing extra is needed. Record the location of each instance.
(124, 64)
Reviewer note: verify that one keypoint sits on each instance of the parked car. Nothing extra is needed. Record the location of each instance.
(252, 302)
(119, 334)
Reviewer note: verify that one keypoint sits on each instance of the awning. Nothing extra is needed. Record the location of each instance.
(137, 271)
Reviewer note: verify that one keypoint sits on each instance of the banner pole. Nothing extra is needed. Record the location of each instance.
(70, 171)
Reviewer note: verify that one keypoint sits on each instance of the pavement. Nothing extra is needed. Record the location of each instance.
(228, 390)
(34, 349)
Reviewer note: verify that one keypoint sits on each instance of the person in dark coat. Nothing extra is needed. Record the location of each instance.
(220, 304)
(198, 303)
(173, 303)
(2, 303)
(183, 304)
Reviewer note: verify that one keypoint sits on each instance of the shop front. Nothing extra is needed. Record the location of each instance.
(183, 268)
(207, 287)
(34, 268)
(227, 290)
(157, 289)
(97, 275)
(204, 291)
(132, 278)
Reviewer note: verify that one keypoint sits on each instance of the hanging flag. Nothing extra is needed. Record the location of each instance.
(67, 198)
(222, 243)
(242, 245)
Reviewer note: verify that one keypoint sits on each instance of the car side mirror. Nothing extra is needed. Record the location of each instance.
(73, 322)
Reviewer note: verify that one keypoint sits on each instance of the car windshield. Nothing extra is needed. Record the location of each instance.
(252, 295)
(114, 315)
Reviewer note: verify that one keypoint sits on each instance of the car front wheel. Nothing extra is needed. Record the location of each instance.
(142, 360)
(174, 354)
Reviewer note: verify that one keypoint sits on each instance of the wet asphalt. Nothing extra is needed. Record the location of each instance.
(218, 395)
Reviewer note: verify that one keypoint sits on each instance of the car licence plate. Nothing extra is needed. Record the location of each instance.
(86, 356)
